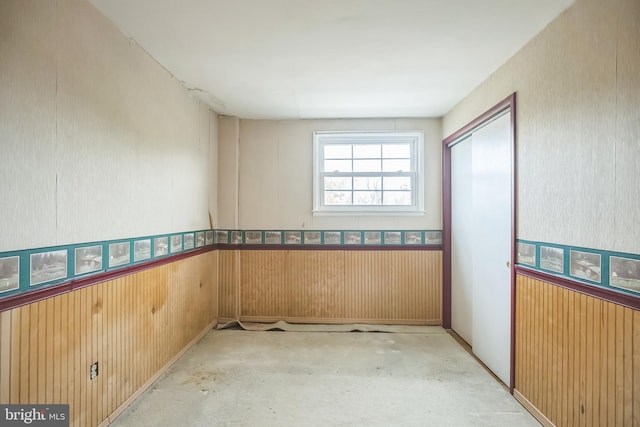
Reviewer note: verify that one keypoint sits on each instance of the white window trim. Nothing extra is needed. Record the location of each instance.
(416, 138)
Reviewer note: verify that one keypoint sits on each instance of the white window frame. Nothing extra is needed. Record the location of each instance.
(416, 141)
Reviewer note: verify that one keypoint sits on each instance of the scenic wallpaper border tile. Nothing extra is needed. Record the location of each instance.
(29, 269)
(616, 271)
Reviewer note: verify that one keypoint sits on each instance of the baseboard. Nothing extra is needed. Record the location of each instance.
(469, 350)
(111, 418)
(332, 321)
(532, 409)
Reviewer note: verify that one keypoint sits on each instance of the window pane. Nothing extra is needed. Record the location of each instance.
(342, 151)
(337, 165)
(337, 183)
(361, 151)
(367, 183)
(396, 165)
(366, 165)
(397, 198)
(395, 151)
(397, 183)
(367, 198)
(337, 198)
(367, 171)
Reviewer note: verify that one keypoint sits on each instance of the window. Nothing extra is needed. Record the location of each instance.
(361, 172)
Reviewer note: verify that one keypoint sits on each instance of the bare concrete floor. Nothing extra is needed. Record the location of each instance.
(252, 378)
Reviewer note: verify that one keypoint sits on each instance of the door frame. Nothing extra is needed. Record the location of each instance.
(509, 103)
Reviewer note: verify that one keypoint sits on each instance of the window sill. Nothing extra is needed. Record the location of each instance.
(368, 213)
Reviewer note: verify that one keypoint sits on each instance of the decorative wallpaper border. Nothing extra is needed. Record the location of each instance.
(30, 269)
(347, 238)
(615, 271)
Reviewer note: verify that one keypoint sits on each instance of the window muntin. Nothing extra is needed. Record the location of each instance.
(368, 172)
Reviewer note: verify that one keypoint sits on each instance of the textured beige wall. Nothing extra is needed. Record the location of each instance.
(97, 141)
(275, 175)
(578, 112)
(212, 122)
(228, 140)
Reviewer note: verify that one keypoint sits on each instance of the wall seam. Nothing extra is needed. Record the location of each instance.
(616, 123)
(236, 219)
(56, 117)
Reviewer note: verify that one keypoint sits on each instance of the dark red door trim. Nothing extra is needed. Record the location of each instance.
(509, 103)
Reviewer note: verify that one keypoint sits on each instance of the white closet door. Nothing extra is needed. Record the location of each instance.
(481, 243)
(491, 172)
(461, 240)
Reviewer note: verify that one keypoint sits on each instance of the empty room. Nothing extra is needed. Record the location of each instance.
(319, 213)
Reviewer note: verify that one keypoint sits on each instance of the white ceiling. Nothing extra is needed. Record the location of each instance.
(331, 58)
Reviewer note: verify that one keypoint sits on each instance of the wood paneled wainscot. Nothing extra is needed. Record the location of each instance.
(133, 327)
(577, 357)
(336, 286)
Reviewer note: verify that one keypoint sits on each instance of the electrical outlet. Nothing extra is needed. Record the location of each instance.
(93, 370)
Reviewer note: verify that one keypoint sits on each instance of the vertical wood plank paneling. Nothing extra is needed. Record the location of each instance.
(116, 343)
(577, 356)
(107, 369)
(532, 355)
(544, 360)
(539, 335)
(81, 368)
(382, 286)
(98, 356)
(595, 374)
(604, 358)
(42, 352)
(75, 362)
(154, 318)
(627, 362)
(636, 369)
(57, 350)
(127, 325)
(557, 343)
(5, 357)
(131, 314)
(129, 284)
(139, 330)
(541, 365)
(91, 344)
(566, 348)
(574, 357)
(48, 384)
(34, 338)
(619, 372)
(16, 337)
(612, 380)
(553, 349)
(213, 276)
(74, 357)
(114, 367)
(582, 381)
(292, 284)
(520, 332)
(25, 356)
(228, 283)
